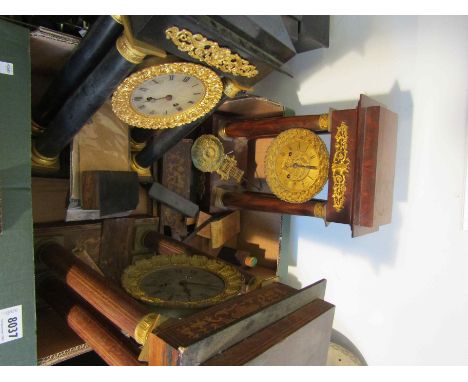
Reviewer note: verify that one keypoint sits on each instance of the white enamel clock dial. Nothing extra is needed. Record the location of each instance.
(167, 94)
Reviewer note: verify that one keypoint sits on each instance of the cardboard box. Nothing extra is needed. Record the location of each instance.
(17, 297)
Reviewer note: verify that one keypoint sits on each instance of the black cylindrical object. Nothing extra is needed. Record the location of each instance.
(91, 50)
(141, 135)
(168, 138)
(84, 102)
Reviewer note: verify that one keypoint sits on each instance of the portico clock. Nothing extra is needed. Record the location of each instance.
(167, 95)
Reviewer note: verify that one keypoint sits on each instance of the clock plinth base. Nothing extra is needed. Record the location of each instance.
(374, 192)
(362, 166)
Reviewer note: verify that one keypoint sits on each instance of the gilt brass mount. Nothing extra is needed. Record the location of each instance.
(146, 325)
(199, 47)
(141, 171)
(232, 88)
(208, 156)
(42, 163)
(340, 167)
(128, 51)
(132, 49)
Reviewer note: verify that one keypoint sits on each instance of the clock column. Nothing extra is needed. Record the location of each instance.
(257, 201)
(128, 315)
(271, 127)
(99, 334)
(90, 51)
(117, 64)
(84, 102)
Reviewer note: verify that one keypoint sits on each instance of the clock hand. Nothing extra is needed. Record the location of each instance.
(200, 284)
(167, 98)
(186, 290)
(296, 165)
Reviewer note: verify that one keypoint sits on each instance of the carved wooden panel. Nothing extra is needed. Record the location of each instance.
(176, 176)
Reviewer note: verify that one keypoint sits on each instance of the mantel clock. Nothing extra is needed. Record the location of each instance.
(359, 170)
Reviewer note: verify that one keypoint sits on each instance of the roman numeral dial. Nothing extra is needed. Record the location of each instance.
(167, 95)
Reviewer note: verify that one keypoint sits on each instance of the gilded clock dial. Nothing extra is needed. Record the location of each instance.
(182, 284)
(167, 95)
(182, 281)
(296, 165)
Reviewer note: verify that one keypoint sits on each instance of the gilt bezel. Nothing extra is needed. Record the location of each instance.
(273, 175)
(232, 278)
(122, 105)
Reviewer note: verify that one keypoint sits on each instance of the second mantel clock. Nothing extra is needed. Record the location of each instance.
(167, 95)
(359, 171)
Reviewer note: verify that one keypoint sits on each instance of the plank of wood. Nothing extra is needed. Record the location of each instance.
(221, 230)
(56, 342)
(175, 201)
(224, 229)
(205, 231)
(49, 199)
(110, 192)
(116, 247)
(83, 240)
(176, 175)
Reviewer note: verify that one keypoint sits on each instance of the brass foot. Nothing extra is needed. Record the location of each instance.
(41, 163)
(141, 171)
